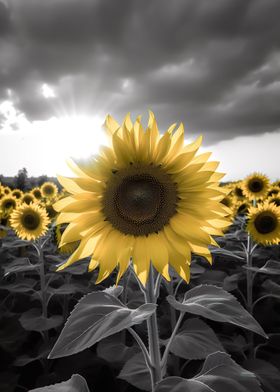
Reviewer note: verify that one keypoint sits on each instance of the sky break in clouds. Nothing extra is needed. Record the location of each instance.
(214, 65)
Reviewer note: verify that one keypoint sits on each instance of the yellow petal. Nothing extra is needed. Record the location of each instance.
(141, 259)
(158, 253)
(111, 125)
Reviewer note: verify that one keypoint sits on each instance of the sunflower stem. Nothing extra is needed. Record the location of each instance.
(167, 348)
(39, 248)
(153, 332)
(143, 348)
(250, 293)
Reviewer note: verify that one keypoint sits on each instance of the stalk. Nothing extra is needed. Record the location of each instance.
(153, 333)
(250, 293)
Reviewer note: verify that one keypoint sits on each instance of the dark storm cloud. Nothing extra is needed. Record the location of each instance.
(215, 65)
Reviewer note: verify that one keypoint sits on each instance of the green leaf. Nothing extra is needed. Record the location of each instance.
(195, 340)
(114, 351)
(219, 374)
(96, 316)
(135, 372)
(68, 288)
(224, 252)
(15, 244)
(230, 283)
(216, 304)
(23, 286)
(267, 374)
(32, 320)
(74, 269)
(179, 384)
(272, 287)
(271, 267)
(114, 290)
(21, 264)
(76, 384)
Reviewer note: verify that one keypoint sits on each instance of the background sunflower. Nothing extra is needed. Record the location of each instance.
(264, 223)
(29, 221)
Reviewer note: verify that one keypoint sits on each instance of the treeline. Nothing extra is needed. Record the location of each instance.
(23, 182)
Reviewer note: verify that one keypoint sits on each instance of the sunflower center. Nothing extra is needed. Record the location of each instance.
(9, 204)
(30, 221)
(239, 192)
(17, 195)
(276, 201)
(242, 209)
(48, 190)
(37, 194)
(139, 200)
(27, 199)
(226, 202)
(265, 224)
(255, 185)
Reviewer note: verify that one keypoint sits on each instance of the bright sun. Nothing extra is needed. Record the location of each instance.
(43, 147)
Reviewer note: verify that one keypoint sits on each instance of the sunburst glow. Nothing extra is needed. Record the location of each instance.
(44, 146)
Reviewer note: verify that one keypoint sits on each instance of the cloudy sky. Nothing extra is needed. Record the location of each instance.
(65, 64)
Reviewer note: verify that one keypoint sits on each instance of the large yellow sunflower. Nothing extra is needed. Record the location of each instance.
(146, 198)
(29, 221)
(256, 186)
(49, 190)
(264, 223)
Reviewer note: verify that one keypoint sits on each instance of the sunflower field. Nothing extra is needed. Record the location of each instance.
(142, 272)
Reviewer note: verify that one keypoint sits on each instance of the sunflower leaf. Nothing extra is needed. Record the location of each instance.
(76, 384)
(21, 264)
(268, 375)
(32, 320)
(15, 244)
(271, 267)
(216, 304)
(96, 316)
(135, 372)
(195, 340)
(219, 373)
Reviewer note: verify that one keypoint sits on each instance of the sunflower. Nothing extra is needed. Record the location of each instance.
(68, 248)
(276, 183)
(6, 190)
(50, 210)
(145, 198)
(256, 186)
(275, 199)
(273, 191)
(49, 190)
(28, 198)
(8, 203)
(227, 201)
(36, 192)
(237, 191)
(264, 224)
(241, 208)
(17, 193)
(29, 221)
